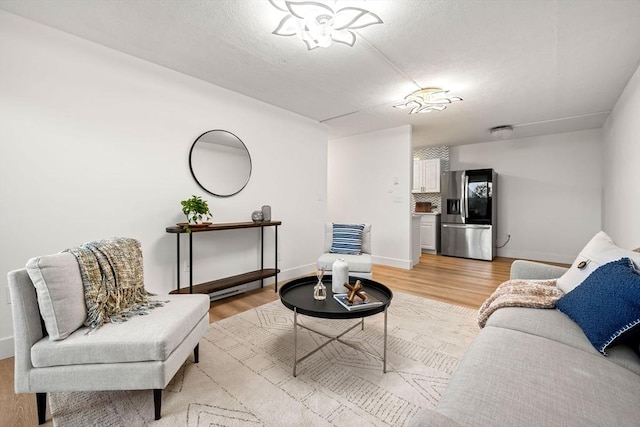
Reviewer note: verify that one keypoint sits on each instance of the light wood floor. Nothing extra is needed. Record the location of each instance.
(453, 280)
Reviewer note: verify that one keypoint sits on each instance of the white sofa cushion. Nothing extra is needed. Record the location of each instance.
(510, 378)
(60, 293)
(142, 338)
(599, 251)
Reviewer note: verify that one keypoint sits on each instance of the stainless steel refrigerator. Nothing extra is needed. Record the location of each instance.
(469, 208)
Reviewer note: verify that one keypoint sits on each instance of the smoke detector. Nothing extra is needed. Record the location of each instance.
(501, 132)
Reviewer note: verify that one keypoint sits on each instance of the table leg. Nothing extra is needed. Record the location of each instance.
(295, 340)
(335, 338)
(384, 358)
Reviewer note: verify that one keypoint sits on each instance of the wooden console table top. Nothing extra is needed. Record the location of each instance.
(224, 226)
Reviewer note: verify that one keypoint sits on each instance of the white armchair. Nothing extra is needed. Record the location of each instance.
(359, 265)
(142, 353)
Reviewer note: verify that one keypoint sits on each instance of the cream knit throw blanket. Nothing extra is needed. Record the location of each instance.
(520, 293)
(111, 271)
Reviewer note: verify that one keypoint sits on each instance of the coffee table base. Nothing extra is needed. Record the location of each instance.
(335, 338)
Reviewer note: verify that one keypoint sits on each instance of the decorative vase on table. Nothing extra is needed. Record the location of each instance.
(339, 276)
(266, 213)
(257, 216)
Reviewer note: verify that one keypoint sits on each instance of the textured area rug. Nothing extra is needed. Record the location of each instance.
(244, 377)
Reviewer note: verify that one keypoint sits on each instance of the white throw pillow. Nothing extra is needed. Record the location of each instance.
(60, 293)
(599, 251)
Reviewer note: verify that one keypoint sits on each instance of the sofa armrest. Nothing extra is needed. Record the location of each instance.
(521, 269)
(27, 327)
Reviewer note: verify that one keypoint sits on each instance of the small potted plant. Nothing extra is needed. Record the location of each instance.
(196, 210)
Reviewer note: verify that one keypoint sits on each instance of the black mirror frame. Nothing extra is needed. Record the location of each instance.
(194, 175)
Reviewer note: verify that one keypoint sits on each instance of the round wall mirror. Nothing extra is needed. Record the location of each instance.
(220, 163)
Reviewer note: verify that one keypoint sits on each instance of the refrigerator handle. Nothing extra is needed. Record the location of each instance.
(466, 196)
(467, 226)
(463, 200)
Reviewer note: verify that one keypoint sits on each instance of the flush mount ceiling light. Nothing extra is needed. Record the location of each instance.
(501, 132)
(318, 24)
(427, 100)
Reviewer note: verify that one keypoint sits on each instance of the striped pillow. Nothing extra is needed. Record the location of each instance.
(347, 239)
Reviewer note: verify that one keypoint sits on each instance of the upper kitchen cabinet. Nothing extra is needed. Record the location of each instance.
(426, 176)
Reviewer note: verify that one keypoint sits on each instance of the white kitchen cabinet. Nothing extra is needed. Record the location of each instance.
(430, 233)
(426, 176)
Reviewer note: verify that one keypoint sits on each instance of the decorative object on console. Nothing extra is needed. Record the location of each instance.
(197, 212)
(340, 276)
(318, 24)
(427, 100)
(266, 213)
(257, 216)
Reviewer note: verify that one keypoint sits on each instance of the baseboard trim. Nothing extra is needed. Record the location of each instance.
(6, 347)
(537, 256)
(407, 264)
(294, 273)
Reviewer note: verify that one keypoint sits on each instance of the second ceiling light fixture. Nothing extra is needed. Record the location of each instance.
(427, 100)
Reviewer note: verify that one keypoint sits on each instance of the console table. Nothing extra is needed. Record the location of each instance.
(226, 282)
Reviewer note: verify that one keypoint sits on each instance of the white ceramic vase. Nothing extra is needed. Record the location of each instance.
(339, 276)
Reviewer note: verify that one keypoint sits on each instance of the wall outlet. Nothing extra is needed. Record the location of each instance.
(279, 256)
(187, 267)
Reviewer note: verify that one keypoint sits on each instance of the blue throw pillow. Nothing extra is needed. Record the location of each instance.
(347, 239)
(606, 305)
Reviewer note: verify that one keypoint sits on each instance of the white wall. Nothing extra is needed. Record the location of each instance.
(369, 182)
(549, 191)
(621, 168)
(95, 143)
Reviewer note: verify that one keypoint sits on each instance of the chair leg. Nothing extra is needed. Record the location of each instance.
(196, 353)
(41, 403)
(157, 402)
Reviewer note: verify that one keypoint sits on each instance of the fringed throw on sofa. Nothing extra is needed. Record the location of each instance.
(520, 293)
(112, 276)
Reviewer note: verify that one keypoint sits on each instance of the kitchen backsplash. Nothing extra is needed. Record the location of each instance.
(429, 152)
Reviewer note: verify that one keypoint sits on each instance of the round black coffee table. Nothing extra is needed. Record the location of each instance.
(297, 295)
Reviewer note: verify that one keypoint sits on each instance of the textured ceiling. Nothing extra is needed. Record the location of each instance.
(543, 66)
